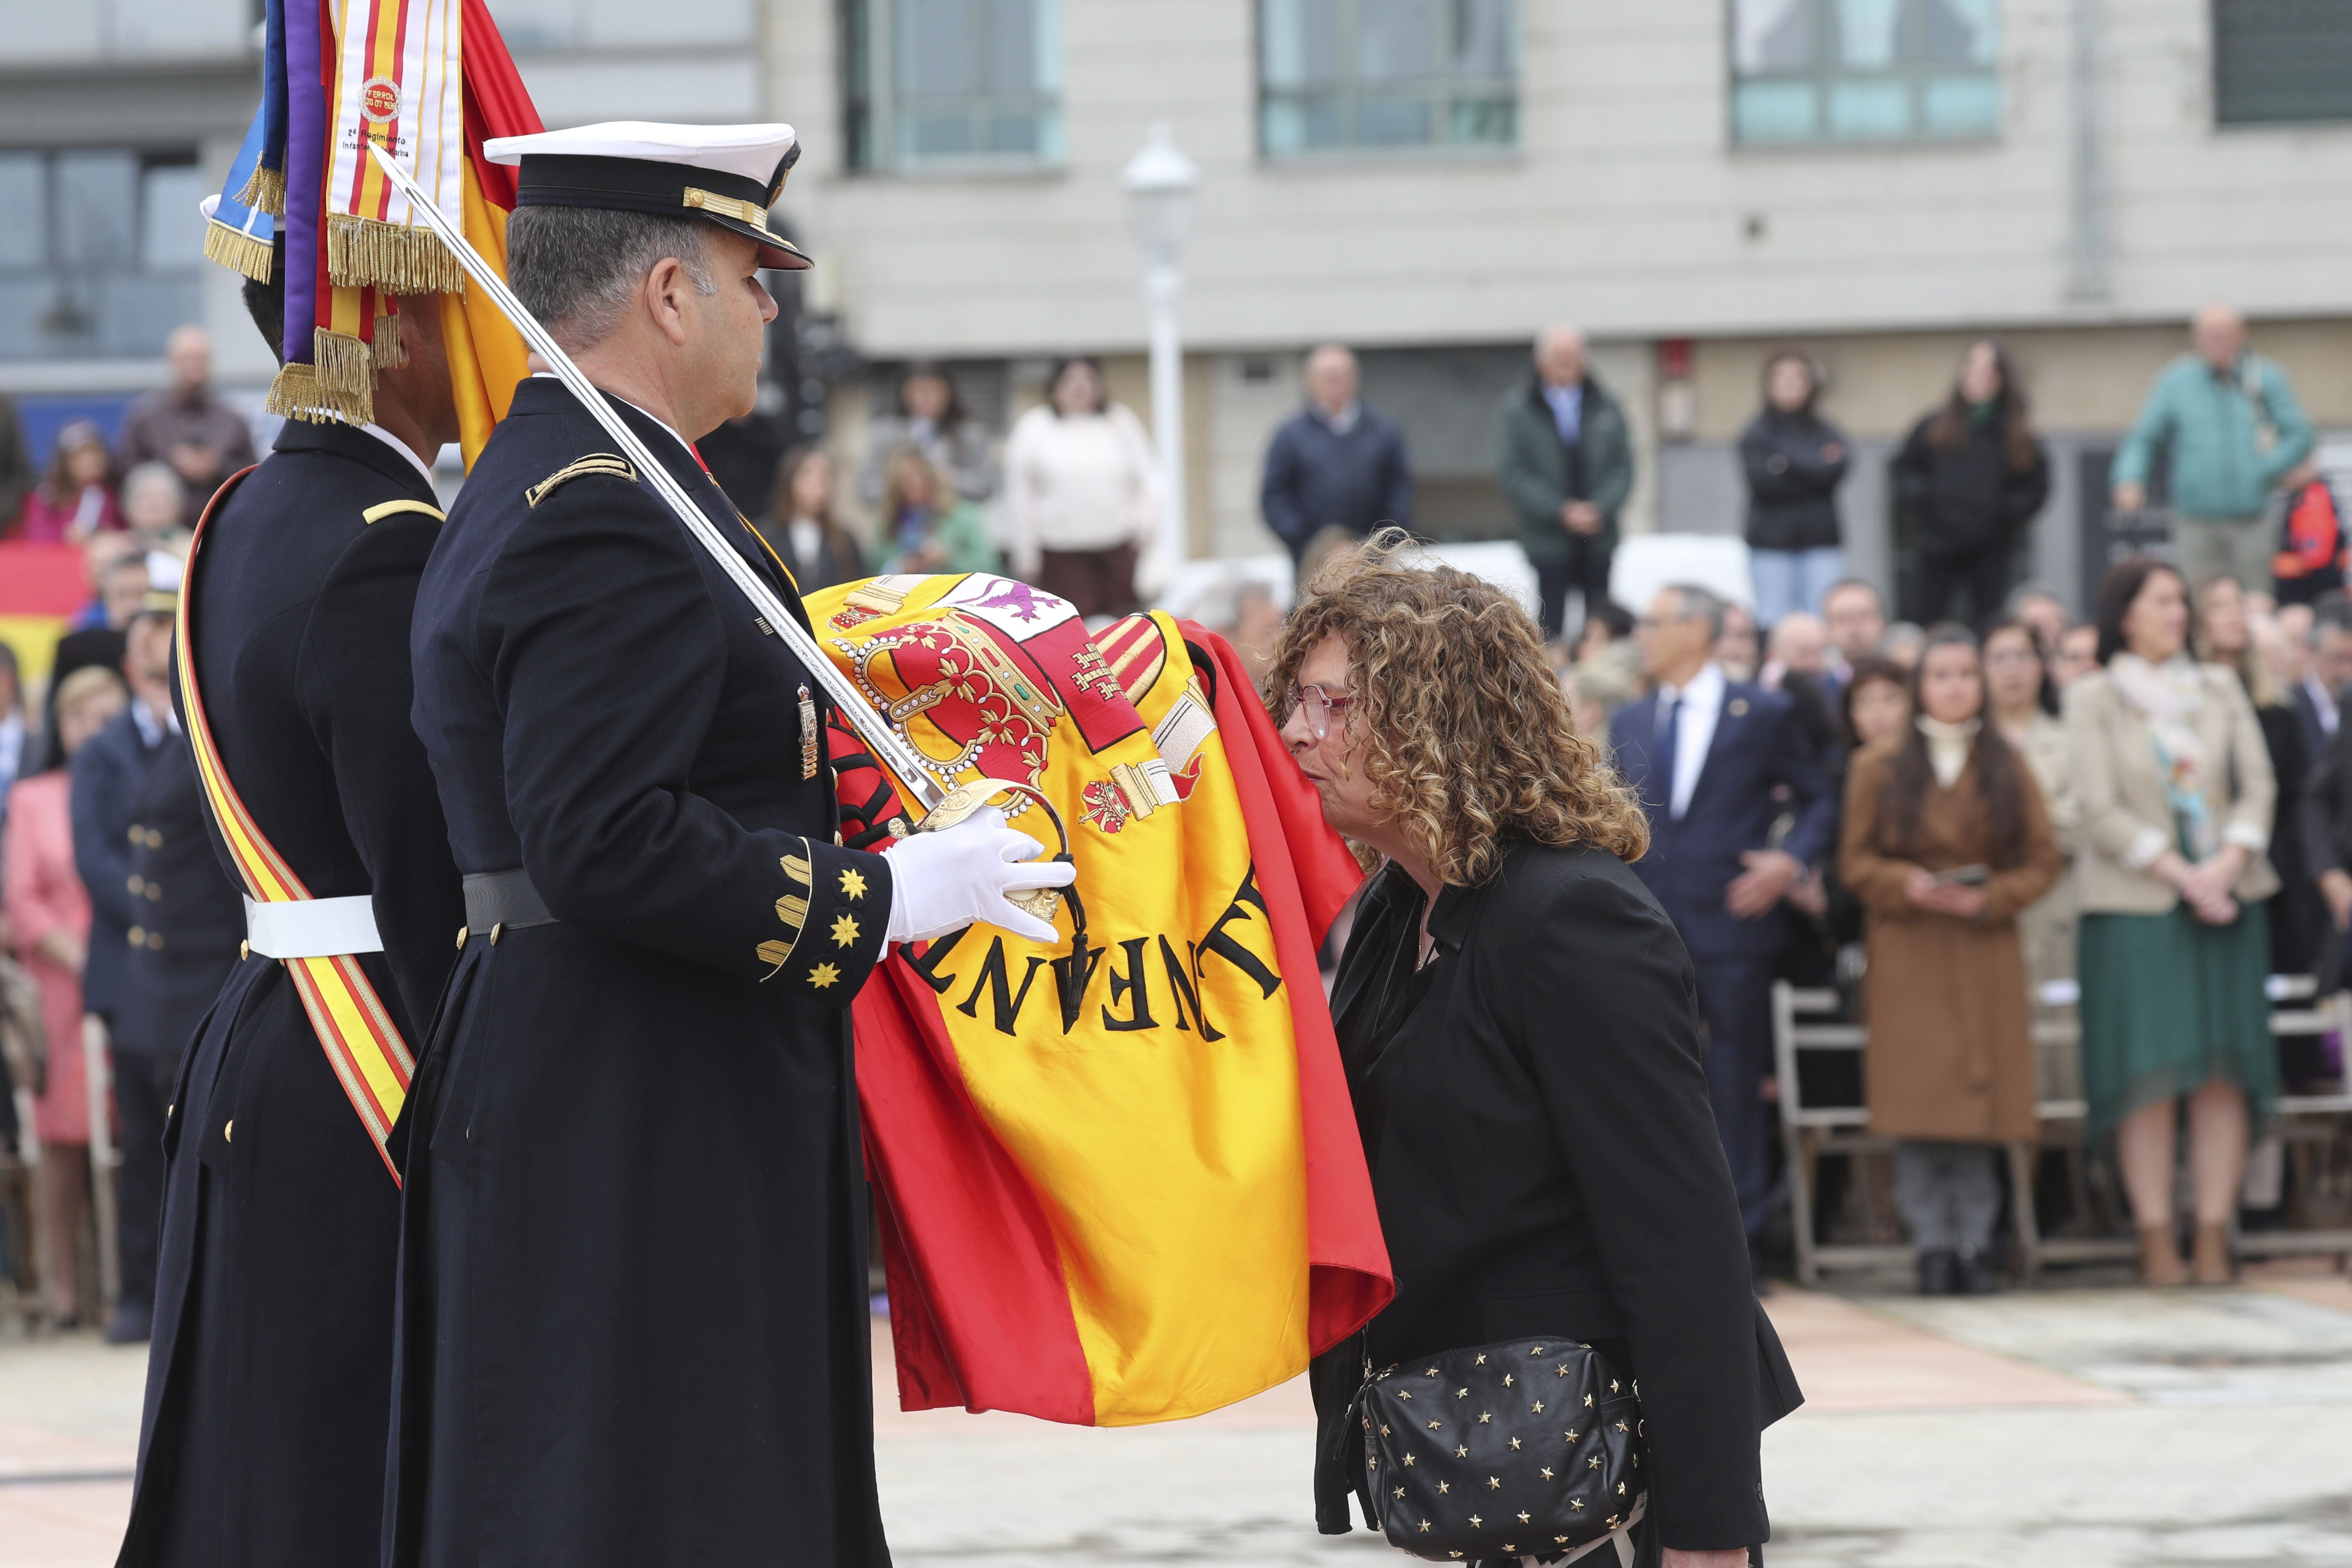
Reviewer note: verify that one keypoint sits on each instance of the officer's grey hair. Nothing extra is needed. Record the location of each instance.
(577, 269)
(1703, 602)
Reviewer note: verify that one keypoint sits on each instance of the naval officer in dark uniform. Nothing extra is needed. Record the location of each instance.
(269, 1381)
(190, 920)
(633, 1315)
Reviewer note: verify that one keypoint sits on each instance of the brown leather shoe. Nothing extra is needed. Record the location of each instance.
(2212, 1255)
(2159, 1257)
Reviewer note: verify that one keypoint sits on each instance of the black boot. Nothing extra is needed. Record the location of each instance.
(1976, 1276)
(1939, 1272)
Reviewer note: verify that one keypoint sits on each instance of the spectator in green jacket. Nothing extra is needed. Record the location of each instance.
(1565, 460)
(926, 525)
(2232, 430)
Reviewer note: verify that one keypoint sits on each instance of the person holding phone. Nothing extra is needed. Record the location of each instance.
(1946, 841)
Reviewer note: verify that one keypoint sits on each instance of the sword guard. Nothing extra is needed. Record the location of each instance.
(960, 802)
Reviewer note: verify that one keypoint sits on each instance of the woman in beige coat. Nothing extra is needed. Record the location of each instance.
(1946, 839)
(2174, 792)
(2022, 704)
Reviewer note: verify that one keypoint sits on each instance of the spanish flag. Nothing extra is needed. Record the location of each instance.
(1120, 1178)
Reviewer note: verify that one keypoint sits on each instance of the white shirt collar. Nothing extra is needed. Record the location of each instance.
(1703, 691)
(402, 447)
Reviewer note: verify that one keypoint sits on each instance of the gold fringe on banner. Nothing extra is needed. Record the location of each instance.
(389, 354)
(346, 374)
(238, 252)
(299, 393)
(295, 393)
(265, 191)
(398, 261)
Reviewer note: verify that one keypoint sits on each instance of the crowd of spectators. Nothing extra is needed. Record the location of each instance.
(83, 913)
(2148, 809)
(1949, 814)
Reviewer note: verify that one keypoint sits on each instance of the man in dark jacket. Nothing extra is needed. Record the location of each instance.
(108, 774)
(1335, 463)
(183, 948)
(1564, 458)
(1709, 758)
(186, 923)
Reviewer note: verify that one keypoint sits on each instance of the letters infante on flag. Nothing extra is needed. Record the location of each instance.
(1119, 1177)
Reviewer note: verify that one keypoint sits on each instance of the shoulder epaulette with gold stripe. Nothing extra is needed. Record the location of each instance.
(382, 510)
(594, 463)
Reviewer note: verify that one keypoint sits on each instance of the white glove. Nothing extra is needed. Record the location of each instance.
(944, 881)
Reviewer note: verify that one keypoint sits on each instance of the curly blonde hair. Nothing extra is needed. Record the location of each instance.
(1461, 726)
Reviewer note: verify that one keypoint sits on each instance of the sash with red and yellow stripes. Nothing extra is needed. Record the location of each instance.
(363, 1044)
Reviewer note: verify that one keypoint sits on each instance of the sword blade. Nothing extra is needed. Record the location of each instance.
(889, 747)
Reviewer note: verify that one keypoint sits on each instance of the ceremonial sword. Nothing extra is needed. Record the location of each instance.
(889, 746)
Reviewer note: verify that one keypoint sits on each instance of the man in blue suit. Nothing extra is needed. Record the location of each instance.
(1739, 808)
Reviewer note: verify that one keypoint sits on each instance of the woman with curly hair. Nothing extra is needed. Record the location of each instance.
(1520, 1029)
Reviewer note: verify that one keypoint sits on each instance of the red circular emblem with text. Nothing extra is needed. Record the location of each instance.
(380, 99)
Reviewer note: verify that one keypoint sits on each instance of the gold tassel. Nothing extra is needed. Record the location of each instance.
(398, 261)
(265, 191)
(346, 376)
(389, 352)
(295, 393)
(238, 252)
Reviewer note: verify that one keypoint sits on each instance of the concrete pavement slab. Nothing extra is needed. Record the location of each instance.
(2051, 1428)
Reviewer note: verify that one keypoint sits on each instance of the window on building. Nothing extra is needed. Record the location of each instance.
(102, 254)
(2282, 61)
(1864, 70)
(1336, 75)
(946, 82)
(528, 24)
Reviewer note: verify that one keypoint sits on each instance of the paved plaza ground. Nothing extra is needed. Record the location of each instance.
(2068, 1428)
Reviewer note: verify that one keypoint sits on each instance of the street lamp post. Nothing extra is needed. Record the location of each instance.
(1159, 181)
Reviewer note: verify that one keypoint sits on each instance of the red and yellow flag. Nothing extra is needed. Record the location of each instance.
(1119, 1177)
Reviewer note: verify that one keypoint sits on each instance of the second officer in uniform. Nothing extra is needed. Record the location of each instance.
(268, 1382)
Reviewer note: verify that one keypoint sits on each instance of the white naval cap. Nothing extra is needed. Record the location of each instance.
(729, 174)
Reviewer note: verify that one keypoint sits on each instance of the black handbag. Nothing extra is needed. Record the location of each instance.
(1529, 1448)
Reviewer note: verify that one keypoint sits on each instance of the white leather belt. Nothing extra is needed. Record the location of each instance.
(312, 928)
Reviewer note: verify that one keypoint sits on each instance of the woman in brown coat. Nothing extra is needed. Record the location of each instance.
(1946, 839)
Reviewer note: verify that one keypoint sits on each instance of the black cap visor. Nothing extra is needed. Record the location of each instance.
(672, 190)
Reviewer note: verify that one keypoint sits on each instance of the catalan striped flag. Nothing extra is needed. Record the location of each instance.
(1119, 1176)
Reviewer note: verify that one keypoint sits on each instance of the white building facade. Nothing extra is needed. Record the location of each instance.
(1430, 181)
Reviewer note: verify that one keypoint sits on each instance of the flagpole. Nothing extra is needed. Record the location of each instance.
(889, 746)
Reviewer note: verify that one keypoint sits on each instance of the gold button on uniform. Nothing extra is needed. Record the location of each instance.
(137, 884)
(139, 936)
(245, 950)
(228, 1131)
(154, 838)
(461, 938)
(154, 891)
(138, 833)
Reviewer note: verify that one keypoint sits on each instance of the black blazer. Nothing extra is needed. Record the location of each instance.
(1546, 1162)
(1762, 765)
